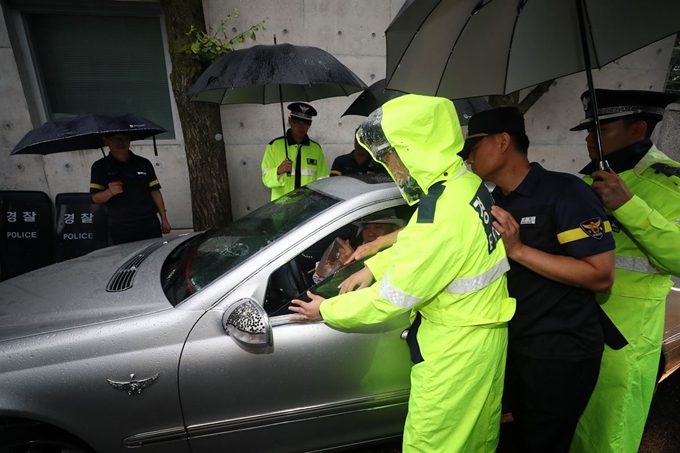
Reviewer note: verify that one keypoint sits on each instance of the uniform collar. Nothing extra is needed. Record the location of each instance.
(113, 159)
(291, 142)
(528, 185)
(624, 159)
(365, 164)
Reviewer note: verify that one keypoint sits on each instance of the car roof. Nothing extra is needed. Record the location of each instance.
(348, 187)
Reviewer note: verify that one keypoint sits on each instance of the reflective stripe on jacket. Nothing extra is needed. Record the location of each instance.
(442, 269)
(646, 230)
(313, 166)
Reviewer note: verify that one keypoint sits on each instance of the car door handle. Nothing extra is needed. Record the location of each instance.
(404, 334)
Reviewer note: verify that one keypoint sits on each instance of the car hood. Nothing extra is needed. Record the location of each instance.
(73, 293)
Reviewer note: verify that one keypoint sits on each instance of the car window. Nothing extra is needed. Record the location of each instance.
(295, 277)
(327, 288)
(200, 261)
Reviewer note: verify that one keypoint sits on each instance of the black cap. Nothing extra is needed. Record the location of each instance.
(494, 121)
(616, 104)
(302, 111)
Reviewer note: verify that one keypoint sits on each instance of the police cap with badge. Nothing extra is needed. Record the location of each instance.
(301, 111)
(495, 121)
(613, 105)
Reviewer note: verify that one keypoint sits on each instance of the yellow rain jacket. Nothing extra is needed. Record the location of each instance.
(313, 164)
(647, 234)
(448, 270)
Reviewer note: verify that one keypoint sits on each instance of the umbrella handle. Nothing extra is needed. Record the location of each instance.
(602, 164)
(283, 122)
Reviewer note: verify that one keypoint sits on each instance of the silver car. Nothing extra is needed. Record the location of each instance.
(185, 344)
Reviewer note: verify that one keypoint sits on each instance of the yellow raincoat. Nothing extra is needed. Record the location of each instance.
(647, 235)
(449, 272)
(312, 165)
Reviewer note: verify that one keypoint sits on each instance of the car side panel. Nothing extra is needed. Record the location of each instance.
(337, 387)
(62, 379)
(671, 337)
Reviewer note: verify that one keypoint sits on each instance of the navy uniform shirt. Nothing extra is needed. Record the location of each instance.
(561, 215)
(135, 205)
(347, 165)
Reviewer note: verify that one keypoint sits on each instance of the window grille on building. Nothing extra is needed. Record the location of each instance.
(95, 63)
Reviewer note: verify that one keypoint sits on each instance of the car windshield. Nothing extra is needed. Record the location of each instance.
(201, 260)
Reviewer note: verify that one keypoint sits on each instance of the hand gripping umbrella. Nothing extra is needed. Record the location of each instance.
(376, 95)
(266, 74)
(463, 48)
(84, 132)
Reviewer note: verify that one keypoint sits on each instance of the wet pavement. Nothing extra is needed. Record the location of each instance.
(662, 433)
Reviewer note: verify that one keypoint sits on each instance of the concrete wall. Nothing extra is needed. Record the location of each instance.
(669, 132)
(353, 31)
(549, 120)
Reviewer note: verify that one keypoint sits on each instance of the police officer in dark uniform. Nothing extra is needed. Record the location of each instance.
(358, 161)
(559, 241)
(128, 185)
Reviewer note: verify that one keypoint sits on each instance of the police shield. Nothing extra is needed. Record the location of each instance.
(81, 226)
(26, 232)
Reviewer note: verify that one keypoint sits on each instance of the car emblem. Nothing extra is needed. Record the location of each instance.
(133, 386)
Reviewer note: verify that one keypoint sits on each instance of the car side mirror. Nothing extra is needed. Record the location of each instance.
(248, 324)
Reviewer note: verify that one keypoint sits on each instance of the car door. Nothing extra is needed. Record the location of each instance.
(312, 387)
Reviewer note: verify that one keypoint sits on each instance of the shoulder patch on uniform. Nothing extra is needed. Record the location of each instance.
(666, 169)
(593, 227)
(277, 138)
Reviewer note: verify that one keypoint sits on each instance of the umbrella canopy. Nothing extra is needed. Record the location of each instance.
(83, 132)
(464, 48)
(266, 74)
(376, 95)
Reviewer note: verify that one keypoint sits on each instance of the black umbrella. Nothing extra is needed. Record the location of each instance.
(376, 95)
(266, 74)
(463, 48)
(84, 132)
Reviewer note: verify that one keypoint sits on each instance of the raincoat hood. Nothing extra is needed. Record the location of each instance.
(424, 131)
